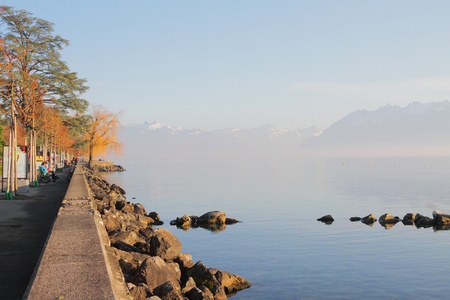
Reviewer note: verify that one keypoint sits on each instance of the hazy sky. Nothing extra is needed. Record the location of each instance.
(219, 64)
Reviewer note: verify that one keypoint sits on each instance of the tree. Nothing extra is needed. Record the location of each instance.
(32, 73)
(2, 141)
(101, 136)
(40, 56)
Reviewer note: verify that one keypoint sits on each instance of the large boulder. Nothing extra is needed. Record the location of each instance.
(230, 282)
(129, 261)
(113, 222)
(154, 271)
(165, 245)
(212, 217)
(441, 219)
(129, 237)
(204, 277)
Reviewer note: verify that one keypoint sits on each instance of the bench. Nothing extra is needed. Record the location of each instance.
(44, 177)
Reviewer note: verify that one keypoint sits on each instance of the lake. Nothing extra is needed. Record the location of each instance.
(280, 247)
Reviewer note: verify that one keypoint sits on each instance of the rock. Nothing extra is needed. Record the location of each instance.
(167, 291)
(207, 293)
(120, 204)
(147, 232)
(154, 215)
(328, 219)
(139, 209)
(165, 245)
(369, 220)
(154, 272)
(175, 268)
(129, 237)
(230, 221)
(137, 292)
(129, 261)
(184, 260)
(112, 222)
(408, 219)
(184, 221)
(212, 217)
(143, 247)
(204, 277)
(441, 219)
(423, 221)
(198, 294)
(190, 283)
(231, 283)
(126, 247)
(388, 219)
(354, 219)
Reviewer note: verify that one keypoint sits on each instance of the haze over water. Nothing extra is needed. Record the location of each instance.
(281, 248)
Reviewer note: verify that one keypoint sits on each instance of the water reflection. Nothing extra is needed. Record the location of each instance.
(210, 227)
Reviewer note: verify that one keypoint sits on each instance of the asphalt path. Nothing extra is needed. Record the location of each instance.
(24, 228)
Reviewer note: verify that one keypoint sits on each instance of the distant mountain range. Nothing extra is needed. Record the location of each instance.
(164, 141)
(418, 129)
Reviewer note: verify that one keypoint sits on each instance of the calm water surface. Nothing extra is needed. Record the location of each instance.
(280, 247)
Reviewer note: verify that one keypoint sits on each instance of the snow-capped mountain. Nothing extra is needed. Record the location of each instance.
(164, 140)
(417, 129)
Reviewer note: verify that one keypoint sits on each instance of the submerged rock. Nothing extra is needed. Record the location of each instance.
(369, 220)
(215, 221)
(354, 219)
(408, 219)
(423, 221)
(328, 219)
(212, 217)
(388, 220)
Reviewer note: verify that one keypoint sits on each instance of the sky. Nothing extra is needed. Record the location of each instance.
(247, 63)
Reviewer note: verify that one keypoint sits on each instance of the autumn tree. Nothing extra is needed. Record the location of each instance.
(34, 38)
(101, 136)
(35, 73)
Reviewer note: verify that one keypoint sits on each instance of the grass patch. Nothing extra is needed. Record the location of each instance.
(206, 283)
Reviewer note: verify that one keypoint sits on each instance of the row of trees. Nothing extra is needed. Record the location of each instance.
(38, 92)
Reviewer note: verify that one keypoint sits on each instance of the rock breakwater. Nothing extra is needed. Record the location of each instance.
(150, 258)
(440, 220)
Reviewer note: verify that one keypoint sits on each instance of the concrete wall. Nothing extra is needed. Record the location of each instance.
(76, 262)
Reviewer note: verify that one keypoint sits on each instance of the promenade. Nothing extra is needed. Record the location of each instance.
(24, 228)
(53, 245)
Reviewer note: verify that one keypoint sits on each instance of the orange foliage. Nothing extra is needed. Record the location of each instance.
(102, 135)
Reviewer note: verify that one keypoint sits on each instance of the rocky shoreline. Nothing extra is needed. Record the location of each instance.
(107, 168)
(150, 258)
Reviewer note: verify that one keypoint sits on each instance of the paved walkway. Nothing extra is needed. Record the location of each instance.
(77, 262)
(24, 228)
